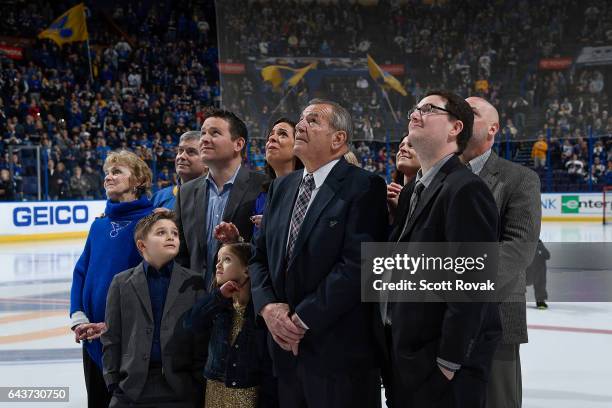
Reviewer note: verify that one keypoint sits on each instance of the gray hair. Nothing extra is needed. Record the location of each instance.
(189, 136)
(340, 117)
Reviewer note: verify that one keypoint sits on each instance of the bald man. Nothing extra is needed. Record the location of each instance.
(516, 190)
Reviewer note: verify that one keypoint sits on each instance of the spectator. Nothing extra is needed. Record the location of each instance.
(7, 188)
(53, 180)
(538, 153)
(608, 179)
(567, 151)
(94, 180)
(79, 185)
(510, 129)
(597, 170)
(163, 178)
(599, 151)
(575, 168)
(370, 166)
(520, 106)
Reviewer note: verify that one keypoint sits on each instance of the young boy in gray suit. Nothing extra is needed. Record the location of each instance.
(149, 361)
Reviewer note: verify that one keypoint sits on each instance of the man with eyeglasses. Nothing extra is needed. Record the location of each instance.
(441, 352)
(516, 190)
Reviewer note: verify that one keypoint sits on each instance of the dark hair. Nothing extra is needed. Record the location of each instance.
(267, 168)
(461, 110)
(145, 225)
(282, 120)
(242, 250)
(397, 177)
(237, 126)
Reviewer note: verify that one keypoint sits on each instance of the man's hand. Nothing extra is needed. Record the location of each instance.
(298, 322)
(294, 348)
(227, 233)
(229, 288)
(447, 373)
(284, 345)
(283, 330)
(197, 282)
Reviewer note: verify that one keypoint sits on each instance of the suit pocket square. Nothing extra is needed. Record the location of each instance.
(333, 223)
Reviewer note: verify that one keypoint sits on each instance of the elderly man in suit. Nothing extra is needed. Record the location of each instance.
(306, 269)
(227, 193)
(516, 190)
(441, 352)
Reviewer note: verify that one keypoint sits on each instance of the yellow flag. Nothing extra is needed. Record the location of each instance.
(384, 78)
(277, 75)
(69, 27)
(273, 74)
(299, 74)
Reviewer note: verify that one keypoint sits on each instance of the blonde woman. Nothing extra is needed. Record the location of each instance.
(351, 158)
(109, 249)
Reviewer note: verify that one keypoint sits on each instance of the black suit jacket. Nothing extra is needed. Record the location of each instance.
(321, 282)
(191, 207)
(456, 207)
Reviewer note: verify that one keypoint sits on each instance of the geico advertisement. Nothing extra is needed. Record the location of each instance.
(574, 204)
(42, 217)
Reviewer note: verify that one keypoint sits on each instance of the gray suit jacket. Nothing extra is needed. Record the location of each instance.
(516, 190)
(191, 207)
(127, 342)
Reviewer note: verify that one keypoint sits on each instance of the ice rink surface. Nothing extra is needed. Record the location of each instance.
(566, 364)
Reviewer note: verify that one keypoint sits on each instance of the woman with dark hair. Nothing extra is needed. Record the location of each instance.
(280, 161)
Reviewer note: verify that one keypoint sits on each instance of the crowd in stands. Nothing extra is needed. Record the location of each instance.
(474, 50)
(154, 71)
(577, 126)
(147, 90)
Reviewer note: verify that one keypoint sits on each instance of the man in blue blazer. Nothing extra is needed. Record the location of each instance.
(306, 269)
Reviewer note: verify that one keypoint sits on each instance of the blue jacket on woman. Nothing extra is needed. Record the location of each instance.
(109, 249)
(243, 364)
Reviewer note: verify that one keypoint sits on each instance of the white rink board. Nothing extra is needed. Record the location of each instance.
(48, 217)
(587, 206)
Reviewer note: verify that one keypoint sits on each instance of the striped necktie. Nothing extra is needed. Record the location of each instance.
(299, 211)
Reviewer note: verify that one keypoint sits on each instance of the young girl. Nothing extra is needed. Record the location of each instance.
(238, 370)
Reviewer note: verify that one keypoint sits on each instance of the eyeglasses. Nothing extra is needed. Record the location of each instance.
(428, 109)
